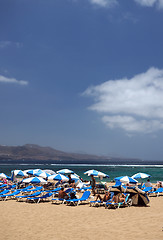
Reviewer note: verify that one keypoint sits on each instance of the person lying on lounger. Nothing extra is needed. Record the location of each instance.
(118, 198)
(105, 198)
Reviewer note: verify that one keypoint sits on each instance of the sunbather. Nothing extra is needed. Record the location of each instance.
(62, 194)
(118, 198)
(105, 198)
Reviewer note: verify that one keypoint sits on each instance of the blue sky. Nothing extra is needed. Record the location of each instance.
(83, 75)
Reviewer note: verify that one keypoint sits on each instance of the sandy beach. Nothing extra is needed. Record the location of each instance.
(20, 220)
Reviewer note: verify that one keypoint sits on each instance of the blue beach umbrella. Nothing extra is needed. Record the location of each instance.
(140, 175)
(96, 173)
(126, 179)
(33, 171)
(19, 173)
(65, 171)
(34, 180)
(58, 177)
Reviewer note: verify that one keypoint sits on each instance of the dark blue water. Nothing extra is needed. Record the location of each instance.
(156, 171)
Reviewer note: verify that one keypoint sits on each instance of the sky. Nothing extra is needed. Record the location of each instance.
(83, 76)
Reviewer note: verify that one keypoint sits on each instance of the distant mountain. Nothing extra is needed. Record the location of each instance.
(31, 153)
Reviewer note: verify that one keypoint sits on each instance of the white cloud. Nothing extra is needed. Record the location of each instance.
(4, 44)
(12, 80)
(135, 105)
(104, 3)
(150, 3)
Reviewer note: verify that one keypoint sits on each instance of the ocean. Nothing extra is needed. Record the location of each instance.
(156, 171)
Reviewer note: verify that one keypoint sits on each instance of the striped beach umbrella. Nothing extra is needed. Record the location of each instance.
(33, 171)
(96, 173)
(42, 174)
(126, 179)
(19, 173)
(34, 180)
(58, 177)
(140, 175)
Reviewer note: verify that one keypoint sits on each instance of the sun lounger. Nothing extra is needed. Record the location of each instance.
(120, 204)
(77, 201)
(38, 199)
(11, 195)
(99, 202)
(19, 198)
(157, 192)
(147, 189)
(26, 188)
(4, 192)
(34, 189)
(3, 186)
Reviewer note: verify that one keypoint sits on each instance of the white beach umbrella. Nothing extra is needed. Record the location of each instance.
(51, 172)
(34, 180)
(141, 175)
(3, 175)
(42, 174)
(96, 173)
(65, 171)
(126, 179)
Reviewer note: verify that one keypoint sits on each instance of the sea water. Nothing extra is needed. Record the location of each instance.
(156, 171)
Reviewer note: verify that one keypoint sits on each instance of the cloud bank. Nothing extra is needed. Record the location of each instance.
(12, 80)
(150, 3)
(104, 3)
(134, 105)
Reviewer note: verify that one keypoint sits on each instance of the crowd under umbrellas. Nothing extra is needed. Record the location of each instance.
(62, 177)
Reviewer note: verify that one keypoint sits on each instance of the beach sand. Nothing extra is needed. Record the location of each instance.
(20, 220)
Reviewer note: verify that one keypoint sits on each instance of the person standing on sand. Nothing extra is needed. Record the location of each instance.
(93, 184)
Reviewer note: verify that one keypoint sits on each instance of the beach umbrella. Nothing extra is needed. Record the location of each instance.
(42, 174)
(19, 173)
(137, 196)
(32, 171)
(75, 177)
(58, 177)
(3, 175)
(141, 175)
(126, 179)
(96, 173)
(65, 171)
(51, 172)
(34, 180)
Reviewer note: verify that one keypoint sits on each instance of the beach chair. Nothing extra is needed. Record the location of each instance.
(157, 192)
(3, 186)
(10, 195)
(77, 201)
(34, 189)
(38, 199)
(147, 189)
(19, 198)
(120, 204)
(26, 188)
(4, 192)
(98, 203)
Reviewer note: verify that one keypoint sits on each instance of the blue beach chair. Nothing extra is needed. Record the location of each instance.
(100, 203)
(10, 195)
(19, 198)
(38, 199)
(77, 201)
(120, 204)
(157, 192)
